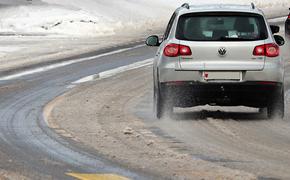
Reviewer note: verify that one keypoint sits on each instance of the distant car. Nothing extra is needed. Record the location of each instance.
(287, 25)
(224, 55)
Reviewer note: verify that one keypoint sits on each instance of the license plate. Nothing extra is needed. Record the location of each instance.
(224, 75)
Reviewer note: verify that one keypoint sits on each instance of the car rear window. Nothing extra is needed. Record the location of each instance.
(221, 27)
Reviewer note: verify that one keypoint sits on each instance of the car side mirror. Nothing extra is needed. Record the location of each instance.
(275, 29)
(279, 40)
(152, 41)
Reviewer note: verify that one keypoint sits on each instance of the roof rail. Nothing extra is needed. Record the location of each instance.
(185, 5)
(253, 5)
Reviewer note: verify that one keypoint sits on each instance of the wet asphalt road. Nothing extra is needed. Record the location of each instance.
(28, 146)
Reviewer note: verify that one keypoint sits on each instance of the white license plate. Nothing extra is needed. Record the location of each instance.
(222, 75)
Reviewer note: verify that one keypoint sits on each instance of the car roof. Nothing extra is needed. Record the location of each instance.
(219, 8)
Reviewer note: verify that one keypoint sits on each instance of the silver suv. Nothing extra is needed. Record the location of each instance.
(224, 55)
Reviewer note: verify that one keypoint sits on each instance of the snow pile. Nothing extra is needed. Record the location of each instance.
(53, 20)
(99, 17)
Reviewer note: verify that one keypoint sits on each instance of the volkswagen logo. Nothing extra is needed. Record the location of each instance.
(222, 51)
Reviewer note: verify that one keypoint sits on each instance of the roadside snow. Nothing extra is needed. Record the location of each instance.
(99, 17)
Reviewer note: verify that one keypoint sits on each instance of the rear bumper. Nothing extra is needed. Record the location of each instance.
(273, 72)
(252, 94)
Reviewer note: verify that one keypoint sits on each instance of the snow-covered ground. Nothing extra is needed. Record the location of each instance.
(100, 17)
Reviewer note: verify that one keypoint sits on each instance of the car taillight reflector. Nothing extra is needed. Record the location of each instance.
(269, 50)
(174, 50)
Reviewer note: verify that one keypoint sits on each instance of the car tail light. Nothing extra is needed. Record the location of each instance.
(259, 50)
(289, 16)
(174, 50)
(184, 50)
(171, 50)
(269, 50)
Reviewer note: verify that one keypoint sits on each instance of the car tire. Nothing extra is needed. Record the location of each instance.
(162, 103)
(276, 109)
(263, 111)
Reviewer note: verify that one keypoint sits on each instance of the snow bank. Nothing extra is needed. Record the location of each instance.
(47, 19)
(99, 17)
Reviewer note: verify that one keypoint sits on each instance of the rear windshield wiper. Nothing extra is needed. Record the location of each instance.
(233, 39)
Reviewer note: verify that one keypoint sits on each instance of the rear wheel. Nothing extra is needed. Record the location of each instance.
(162, 103)
(276, 108)
(263, 111)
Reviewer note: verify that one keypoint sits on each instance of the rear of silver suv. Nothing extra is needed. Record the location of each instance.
(224, 55)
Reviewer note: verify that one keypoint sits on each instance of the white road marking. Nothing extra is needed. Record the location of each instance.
(115, 71)
(86, 79)
(62, 64)
(71, 86)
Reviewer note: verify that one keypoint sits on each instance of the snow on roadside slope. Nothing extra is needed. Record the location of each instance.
(99, 17)
(48, 19)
